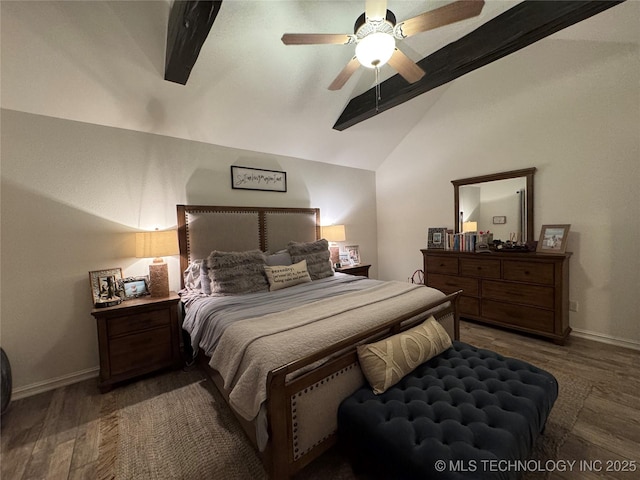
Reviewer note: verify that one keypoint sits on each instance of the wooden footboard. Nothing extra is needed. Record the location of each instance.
(302, 408)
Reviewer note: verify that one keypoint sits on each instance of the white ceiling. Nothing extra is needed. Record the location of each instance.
(103, 62)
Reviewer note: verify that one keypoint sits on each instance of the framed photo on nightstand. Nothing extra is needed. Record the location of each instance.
(135, 287)
(353, 251)
(106, 290)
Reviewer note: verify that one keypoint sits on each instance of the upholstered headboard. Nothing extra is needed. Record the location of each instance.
(202, 229)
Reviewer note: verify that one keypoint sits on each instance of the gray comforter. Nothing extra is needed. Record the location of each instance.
(207, 317)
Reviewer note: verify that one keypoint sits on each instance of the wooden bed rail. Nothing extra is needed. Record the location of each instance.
(281, 464)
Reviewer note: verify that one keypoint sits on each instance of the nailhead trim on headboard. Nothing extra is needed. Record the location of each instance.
(305, 224)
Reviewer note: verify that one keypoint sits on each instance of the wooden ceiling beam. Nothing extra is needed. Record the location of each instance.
(188, 28)
(522, 25)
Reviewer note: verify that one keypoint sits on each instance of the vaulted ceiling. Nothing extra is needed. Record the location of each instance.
(104, 63)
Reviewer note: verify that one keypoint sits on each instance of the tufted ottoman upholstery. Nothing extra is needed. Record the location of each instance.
(466, 405)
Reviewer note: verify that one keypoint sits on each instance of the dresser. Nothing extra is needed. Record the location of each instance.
(528, 292)
(136, 337)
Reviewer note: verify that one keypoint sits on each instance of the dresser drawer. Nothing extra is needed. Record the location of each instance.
(480, 267)
(531, 318)
(139, 321)
(534, 295)
(442, 264)
(469, 305)
(139, 351)
(531, 272)
(451, 283)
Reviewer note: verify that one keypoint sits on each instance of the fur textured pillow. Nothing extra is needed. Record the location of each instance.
(317, 256)
(283, 276)
(386, 362)
(237, 272)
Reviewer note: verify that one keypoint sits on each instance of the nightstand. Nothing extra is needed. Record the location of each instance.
(138, 336)
(362, 270)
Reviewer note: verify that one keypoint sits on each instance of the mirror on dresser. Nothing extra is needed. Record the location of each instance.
(501, 203)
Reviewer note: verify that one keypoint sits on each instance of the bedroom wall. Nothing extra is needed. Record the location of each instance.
(74, 193)
(569, 108)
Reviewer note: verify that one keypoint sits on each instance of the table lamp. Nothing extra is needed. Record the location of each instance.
(157, 244)
(469, 227)
(333, 234)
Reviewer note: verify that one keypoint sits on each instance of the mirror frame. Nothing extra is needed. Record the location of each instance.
(525, 172)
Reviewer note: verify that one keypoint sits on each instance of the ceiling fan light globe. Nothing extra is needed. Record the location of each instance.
(375, 49)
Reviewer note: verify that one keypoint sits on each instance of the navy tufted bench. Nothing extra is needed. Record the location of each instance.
(467, 405)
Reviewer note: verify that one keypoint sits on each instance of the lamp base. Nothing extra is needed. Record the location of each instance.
(159, 280)
(334, 253)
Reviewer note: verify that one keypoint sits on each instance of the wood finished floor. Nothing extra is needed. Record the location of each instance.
(55, 435)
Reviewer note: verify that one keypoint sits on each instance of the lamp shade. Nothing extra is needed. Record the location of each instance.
(469, 227)
(334, 233)
(156, 244)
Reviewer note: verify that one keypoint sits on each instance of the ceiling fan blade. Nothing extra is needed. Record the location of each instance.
(345, 74)
(375, 9)
(454, 12)
(316, 38)
(406, 67)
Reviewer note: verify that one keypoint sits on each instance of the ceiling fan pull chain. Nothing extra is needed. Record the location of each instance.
(377, 87)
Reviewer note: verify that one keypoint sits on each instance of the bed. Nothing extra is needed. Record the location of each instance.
(286, 399)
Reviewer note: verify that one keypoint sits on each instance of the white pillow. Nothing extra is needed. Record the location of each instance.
(196, 277)
(282, 276)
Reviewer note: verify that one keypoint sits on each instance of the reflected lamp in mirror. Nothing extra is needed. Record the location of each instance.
(157, 244)
(333, 234)
(469, 227)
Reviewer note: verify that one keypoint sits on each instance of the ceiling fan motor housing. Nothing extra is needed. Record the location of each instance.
(362, 27)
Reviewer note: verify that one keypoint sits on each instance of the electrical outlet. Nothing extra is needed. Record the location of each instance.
(573, 306)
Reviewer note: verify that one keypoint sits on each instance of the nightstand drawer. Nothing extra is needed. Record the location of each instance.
(442, 264)
(139, 351)
(451, 283)
(140, 321)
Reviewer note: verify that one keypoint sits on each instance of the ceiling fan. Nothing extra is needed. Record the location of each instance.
(376, 32)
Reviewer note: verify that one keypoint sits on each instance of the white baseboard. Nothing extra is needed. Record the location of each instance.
(53, 383)
(46, 385)
(600, 337)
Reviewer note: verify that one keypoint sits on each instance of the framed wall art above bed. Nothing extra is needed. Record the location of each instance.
(247, 178)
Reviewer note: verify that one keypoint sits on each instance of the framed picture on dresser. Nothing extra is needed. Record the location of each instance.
(553, 238)
(436, 237)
